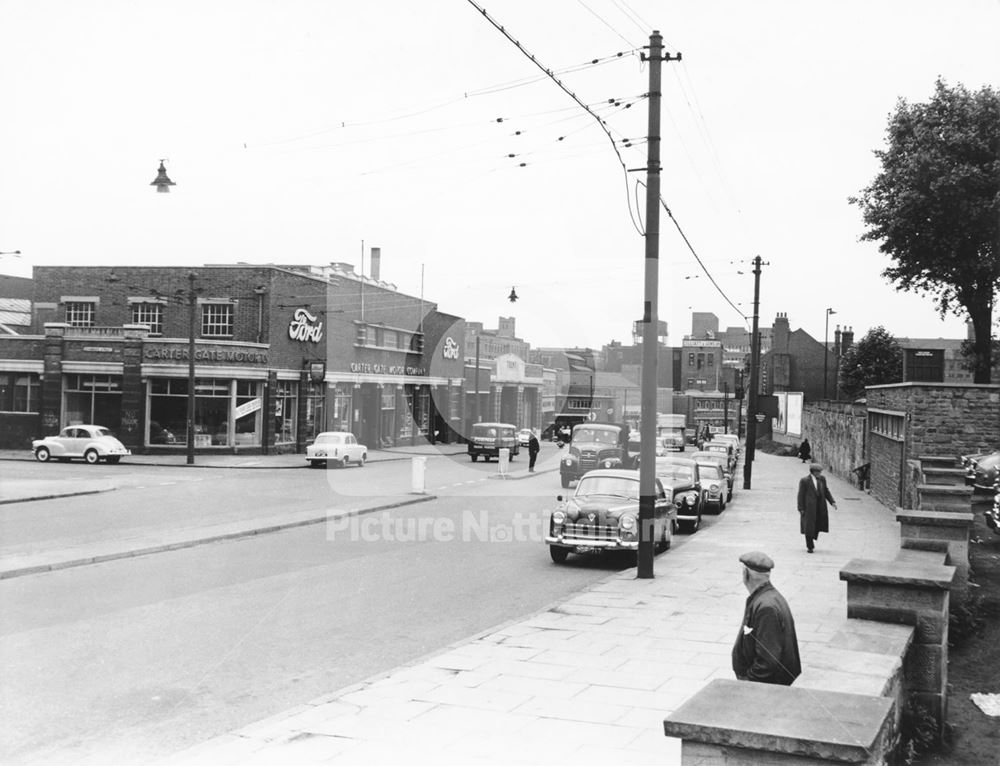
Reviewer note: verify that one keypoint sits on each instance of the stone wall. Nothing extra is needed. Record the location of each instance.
(943, 419)
(836, 433)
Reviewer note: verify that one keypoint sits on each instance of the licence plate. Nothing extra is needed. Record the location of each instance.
(586, 549)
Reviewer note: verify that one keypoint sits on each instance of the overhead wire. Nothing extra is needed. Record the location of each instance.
(572, 95)
(605, 23)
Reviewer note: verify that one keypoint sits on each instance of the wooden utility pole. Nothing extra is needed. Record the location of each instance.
(650, 313)
(754, 377)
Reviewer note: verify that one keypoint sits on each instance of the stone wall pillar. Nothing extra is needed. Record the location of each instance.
(913, 590)
(946, 531)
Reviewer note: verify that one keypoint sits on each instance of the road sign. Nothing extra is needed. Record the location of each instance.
(591, 416)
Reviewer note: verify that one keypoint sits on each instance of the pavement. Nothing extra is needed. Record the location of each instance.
(590, 679)
(586, 680)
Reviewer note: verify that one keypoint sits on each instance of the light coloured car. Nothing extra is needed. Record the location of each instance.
(337, 447)
(523, 436)
(90, 442)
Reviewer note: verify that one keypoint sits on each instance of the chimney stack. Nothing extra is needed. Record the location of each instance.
(376, 263)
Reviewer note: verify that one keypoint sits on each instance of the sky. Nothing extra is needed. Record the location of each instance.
(309, 131)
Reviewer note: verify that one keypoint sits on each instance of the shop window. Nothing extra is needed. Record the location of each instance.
(342, 402)
(80, 313)
(168, 402)
(248, 414)
(286, 405)
(217, 320)
(315, 418)
(19, 392)
(150, 314)
(93, 399)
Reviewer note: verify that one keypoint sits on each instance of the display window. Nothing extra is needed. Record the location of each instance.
(315, 416)
(19, 392)
(286, 406)
(226, 412)
(343, 399)
(92, 399)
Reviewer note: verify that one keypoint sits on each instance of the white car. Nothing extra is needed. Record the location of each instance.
(338, 447)
(523, 436)
(92, 443)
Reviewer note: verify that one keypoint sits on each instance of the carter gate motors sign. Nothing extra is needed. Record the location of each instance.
(305, 327)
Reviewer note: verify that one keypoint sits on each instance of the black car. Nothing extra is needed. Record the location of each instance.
(603, 515)
(681, 479)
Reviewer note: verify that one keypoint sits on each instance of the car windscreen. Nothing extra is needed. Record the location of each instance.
(608, 485)
(488, 432)
(710, 470)
(599, 435)
(672, 473)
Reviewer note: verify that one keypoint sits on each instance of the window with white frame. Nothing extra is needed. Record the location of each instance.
(217, 320)
(80, 313)
(150, 314)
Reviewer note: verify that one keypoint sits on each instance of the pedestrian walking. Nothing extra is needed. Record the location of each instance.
(533, 447)
(766, 648)
(814, 496)
(805, 451)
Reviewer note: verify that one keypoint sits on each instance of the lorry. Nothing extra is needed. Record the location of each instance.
(670, 432)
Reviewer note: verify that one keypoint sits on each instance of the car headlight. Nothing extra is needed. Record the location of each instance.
(608, 463)
(568, 461)
(627, 521)
(558, 518)
(713, 487)
(689, 499)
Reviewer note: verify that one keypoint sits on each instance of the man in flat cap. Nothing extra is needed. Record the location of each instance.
(766, 648)
(813, 497)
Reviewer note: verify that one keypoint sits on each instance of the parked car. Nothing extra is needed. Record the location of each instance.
(680, 478)
(982, 470)
(523, 436)
(724, 447)
(603, 515)
(92, 443)
(489, 438)
(337, 447)
(713, 486)
(732, 439)
(720, 458)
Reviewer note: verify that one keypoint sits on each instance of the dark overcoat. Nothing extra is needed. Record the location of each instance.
(766, 648)
(813, 514)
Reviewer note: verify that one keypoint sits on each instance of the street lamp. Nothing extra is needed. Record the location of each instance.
(826, 349)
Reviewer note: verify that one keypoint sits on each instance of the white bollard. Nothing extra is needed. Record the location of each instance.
(418, 474)
(503, 462)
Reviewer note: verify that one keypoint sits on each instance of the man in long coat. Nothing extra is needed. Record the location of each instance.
(813, 498)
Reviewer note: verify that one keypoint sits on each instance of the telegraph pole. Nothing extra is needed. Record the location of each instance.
(650, 313)
(754, 376)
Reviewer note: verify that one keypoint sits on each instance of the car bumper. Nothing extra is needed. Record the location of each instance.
(575, 543)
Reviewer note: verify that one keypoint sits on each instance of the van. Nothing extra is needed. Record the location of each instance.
(488, 439)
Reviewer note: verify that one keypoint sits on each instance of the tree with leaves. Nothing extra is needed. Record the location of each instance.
(935, 206)
(875, 359)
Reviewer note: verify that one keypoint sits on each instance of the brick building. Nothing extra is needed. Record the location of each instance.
(281, 353)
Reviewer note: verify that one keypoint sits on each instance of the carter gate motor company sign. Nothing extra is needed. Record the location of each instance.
(232, 355)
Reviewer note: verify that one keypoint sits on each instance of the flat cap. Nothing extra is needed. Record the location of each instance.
(815, 467)
(757, 561)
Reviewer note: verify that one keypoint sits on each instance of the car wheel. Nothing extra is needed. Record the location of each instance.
(346, 461)
(559, 555)
(42, 454)
(114, 459)
(91, 456)
(361, 462)
(565, 481)
(474, 458)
